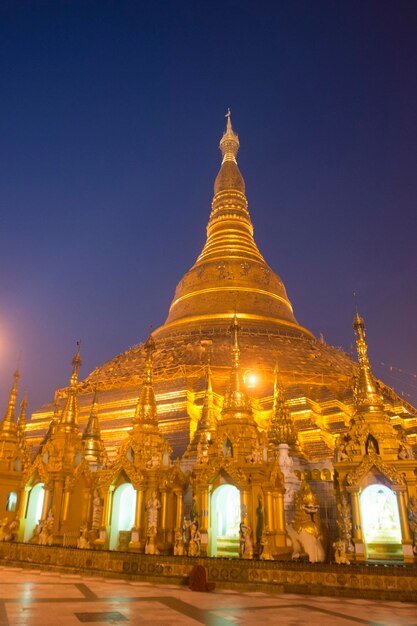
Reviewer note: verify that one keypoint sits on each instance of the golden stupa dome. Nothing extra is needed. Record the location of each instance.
(230, 275)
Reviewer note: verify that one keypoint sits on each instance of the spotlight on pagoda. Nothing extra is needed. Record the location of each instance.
(251, 379)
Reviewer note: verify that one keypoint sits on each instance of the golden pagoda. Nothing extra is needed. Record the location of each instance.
(314, 436)
(375, 472)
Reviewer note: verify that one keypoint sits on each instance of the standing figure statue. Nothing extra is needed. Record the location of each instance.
(43, 534)
(83, 542)
(256, 454)
(265, 552)
(412, 521)
(152, 507)
(344, 522)
(195, 540)
(151, 537)
(97, 511)
(246, 545)
(259, 521)
(340, 553)
(179, 549)
(46, 530)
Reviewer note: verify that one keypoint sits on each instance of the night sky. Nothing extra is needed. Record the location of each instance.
(110, 118)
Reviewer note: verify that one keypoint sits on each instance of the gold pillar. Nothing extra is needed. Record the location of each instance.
(46, 502)
(204, 509)
(269, 514)
(356, 517)
(86, 512)
(244, 506)
(275, 511)
(65, 504)
(135, 541)
(280, 524)
(163, 510)
(402, 509)
(24, 501)
(139, 506)
(179, 509)
(107, 509)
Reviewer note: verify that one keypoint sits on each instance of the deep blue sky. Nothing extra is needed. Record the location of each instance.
(110, 117)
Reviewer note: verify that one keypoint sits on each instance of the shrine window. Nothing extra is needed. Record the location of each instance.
(11, 501)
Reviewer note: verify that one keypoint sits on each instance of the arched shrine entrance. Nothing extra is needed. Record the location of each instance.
(225, 520)
(380, 523)
(34, 510)
(123, 512)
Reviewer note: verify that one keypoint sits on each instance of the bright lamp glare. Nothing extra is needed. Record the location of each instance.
(251, 379)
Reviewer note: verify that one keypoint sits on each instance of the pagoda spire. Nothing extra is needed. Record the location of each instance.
(145, 413)
(229, 143)
(208, 420)
(8, 427)
(230, 266)
(367, 396)
(53, 423)
(69, 417)
(92, 442)
(230, 230)
(21, 420)
(236, 398)
(281, 429)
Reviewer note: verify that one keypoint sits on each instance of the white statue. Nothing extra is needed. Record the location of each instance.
(179, 549)
(152, 507)
(256, 454)
(340, 553)
(97, 511)
(266, 554)
(245, 539)
(195, 540)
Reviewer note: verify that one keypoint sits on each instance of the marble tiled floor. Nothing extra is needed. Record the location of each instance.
(46, 599)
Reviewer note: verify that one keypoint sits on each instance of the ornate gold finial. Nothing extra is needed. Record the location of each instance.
(21, 426)
(367, 395)
(76, 363)
(53, 423)
(8, 426)
(229, 143)
(236, 398)
(145, 412)
(92, 443)
(281, 429)
(21, 420)
(69, 417)
(208, 420)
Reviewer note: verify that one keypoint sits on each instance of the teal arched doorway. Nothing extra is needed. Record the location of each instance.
(123, 512)
(34, 510)
(380, 522)
(225, 520)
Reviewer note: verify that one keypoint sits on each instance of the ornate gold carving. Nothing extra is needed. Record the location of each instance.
(354, 477)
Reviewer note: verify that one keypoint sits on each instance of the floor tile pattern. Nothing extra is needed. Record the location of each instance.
(32, 598)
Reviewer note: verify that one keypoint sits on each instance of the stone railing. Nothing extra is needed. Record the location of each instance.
(388, 582)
